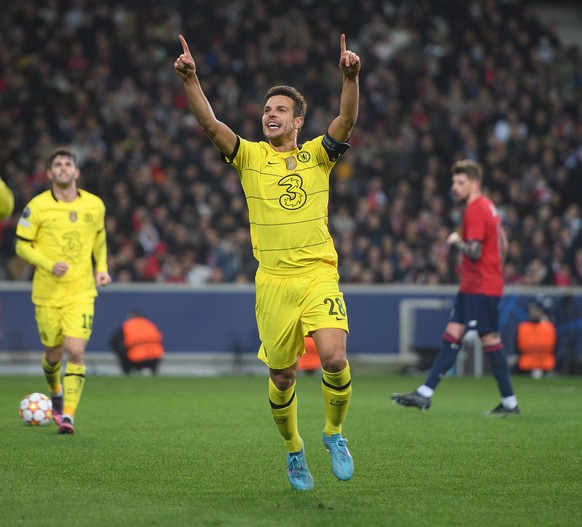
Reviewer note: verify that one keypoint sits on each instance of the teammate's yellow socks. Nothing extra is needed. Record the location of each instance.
(284, 410)
(337, 391)
(52, 374)
(73, 384)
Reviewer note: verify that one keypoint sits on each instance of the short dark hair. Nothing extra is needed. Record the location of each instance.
(299, 104)
(62, 152)
(469, 167)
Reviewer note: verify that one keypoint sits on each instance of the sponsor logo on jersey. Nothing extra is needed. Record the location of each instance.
(22, 220)
(291, 163)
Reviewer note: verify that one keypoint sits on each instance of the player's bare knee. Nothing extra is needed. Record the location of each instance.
(455, 330)
(283, 379)
(490, 339)
(75, 355)
(54, 355)
(334, 362)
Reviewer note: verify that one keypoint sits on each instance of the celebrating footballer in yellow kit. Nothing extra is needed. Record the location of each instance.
(286, 185)
(61, 232)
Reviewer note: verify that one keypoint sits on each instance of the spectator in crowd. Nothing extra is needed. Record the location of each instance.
(446, 80)
(138, 343)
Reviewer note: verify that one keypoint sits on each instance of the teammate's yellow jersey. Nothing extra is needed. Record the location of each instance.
(287, 196)
(65, 232)
(6, 200)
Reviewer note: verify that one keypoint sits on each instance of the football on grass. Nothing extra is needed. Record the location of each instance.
(36, 409)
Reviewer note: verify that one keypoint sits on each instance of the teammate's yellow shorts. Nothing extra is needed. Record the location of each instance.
(288, 308)
(71, 320)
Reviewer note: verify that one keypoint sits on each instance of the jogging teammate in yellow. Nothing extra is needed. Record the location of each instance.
(61, 232)
(286, 185)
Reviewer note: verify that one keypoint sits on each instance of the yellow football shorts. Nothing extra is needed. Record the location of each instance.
(71, 320)
(288, 308)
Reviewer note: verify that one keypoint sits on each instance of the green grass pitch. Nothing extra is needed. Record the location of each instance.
(190, 451)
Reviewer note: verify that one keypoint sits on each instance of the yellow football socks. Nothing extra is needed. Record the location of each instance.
(73, 384)
(284, 410)
(337, 391)
(52, 374)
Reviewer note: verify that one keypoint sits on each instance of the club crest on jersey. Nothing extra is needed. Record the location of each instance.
(304, 157)
(73, 216)
(291, 163)
(88, 217)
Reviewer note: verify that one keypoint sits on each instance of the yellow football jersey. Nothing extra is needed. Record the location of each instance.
(64, 232)
(287, 196)
(6, 200)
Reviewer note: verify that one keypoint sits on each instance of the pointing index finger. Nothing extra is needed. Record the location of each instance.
(184, 45)
(343, 43)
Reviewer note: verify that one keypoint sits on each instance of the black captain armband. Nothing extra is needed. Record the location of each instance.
(334, 148)
(228, 159)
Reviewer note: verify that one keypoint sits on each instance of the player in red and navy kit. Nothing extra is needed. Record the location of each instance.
(483, 244)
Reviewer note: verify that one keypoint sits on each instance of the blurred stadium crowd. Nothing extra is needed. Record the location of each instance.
(441, 80)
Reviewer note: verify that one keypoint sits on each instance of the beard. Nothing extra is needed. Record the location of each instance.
(457, 199)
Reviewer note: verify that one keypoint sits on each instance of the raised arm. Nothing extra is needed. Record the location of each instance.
(349, 63)
(218, 132)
